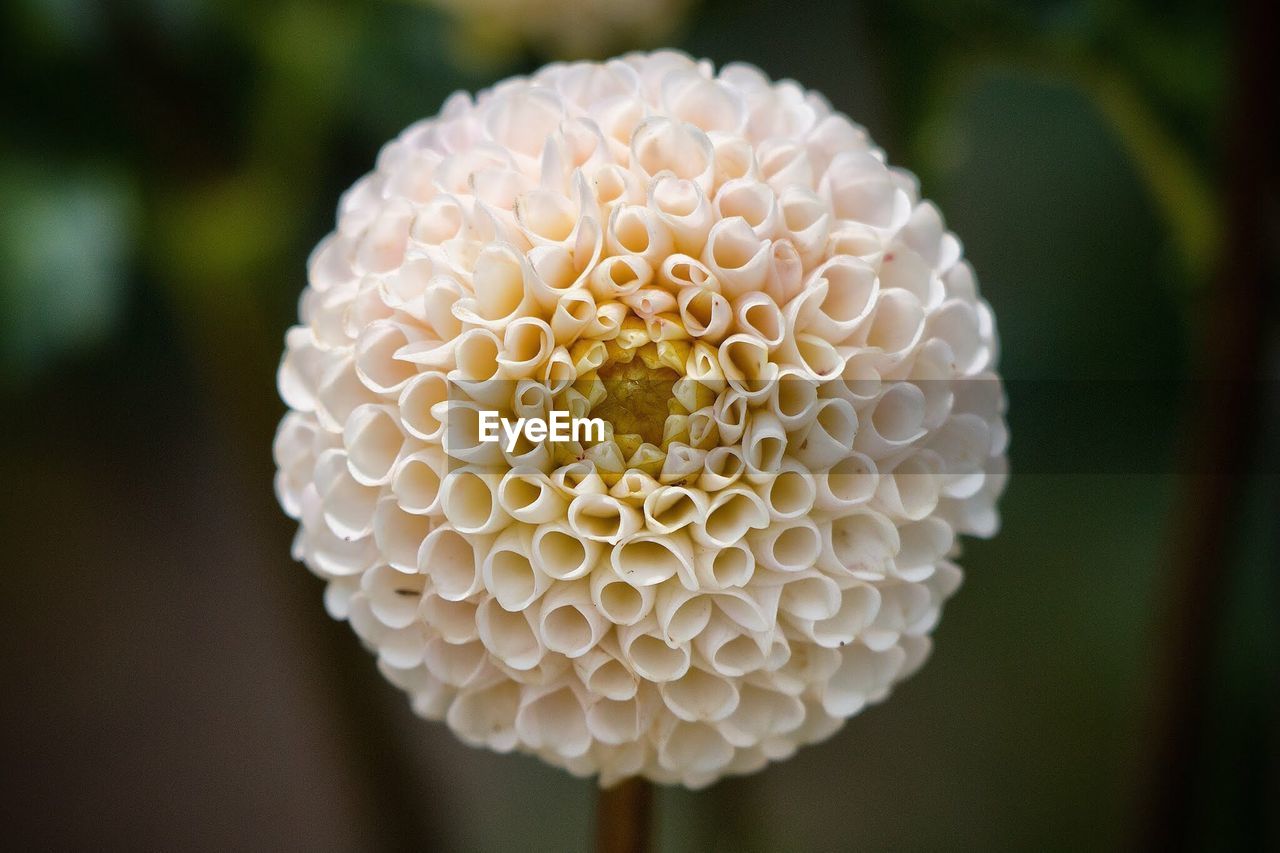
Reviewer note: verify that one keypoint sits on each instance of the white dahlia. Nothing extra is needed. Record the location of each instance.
(797, 374)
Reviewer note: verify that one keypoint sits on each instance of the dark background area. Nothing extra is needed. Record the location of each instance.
(1109, 675)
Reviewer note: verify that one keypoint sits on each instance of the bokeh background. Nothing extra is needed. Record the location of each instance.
(1108, 678)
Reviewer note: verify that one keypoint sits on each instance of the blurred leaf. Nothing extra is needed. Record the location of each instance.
(65, 241)
(1055, 221)
(215, 236)
(1177, 186)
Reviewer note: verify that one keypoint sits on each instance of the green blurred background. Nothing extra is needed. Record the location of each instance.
(170, 678)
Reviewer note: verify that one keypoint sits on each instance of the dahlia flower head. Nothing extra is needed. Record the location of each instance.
(796, 371)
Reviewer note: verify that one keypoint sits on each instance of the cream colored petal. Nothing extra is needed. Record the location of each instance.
(647, 560)
(685, 211)
(638, 232)
(729, 650)
(422, 405)
(621, 602)
(911, 488)
(662, 145)
(682, 613)
(568, 621)
(787, 546)
(650, 656)
(669, 508)
(860, 544)
(700, 696)
(758, 315)
(829, 436)
(487, 716)
(373, 439)
(377, 356)
(737, 256)
(469, 498)
(454, 620)
(574, 311)
(553, 719)
(732, 512)
(896, 421)
(558, 552)
(508, 571)
(605, 676)
(791, 493)
(603, 518)
(761, 713)
(722, 467)
(724, 568)
(862, 677)
(850, 482)
(399, 535)
(508, 636)
(764, 445)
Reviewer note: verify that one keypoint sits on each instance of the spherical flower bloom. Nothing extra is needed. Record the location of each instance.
(796, 376)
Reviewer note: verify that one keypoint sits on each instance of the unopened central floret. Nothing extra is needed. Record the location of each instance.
(639, 398)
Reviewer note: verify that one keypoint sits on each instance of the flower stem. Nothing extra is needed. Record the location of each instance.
(624, 817)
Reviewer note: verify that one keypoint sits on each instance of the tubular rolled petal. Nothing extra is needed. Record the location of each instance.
(863, 677)
(604, 675)
(621, 602)
(422, 401)
(737, 256)
(694, 748)
(568, 621)
(617, 721)
(399, 535)
(528, 495)
(724, 568)
(731, 651)
(790, 546)
(554, 719)
(650, 560)
(349, 506)
(764, 446)
(455, 665)
(487, 716)
(732, 512)
(469, 497)
(684, 210)
(791, 494)
(455, 621)
(665, 145)
(829, 436)
(811, 596)
(603, 518)
(669, 508)
(649, 655)
(452, 560)
(848, 483)
(860, 543)
(682, 613)
(508, 572)
(508, 636)
(700, 696)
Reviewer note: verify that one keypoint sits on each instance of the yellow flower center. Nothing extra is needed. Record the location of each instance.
(637, 399)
